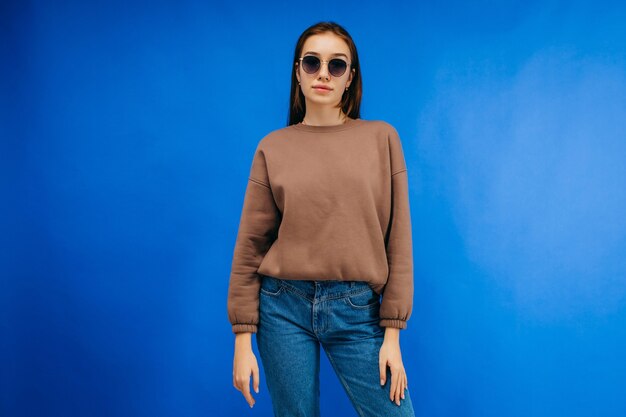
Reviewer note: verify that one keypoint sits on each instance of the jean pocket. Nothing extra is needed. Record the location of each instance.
(271, 286)
(363, 300)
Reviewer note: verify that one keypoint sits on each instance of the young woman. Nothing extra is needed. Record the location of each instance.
(325, 230)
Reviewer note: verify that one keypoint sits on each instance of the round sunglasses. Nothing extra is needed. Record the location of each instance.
(336, 66)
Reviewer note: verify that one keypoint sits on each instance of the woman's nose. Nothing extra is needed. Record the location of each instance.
(324, 70)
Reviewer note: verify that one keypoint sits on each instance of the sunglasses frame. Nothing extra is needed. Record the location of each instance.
(348, 65)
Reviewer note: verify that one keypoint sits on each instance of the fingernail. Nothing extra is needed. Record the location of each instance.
(382, 382)
(256, 390)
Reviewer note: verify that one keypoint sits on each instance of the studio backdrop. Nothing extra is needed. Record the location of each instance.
(127, 130)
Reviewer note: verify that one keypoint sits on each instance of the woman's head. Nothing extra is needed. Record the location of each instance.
(325, 41)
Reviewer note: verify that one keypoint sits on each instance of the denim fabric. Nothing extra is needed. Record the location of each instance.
(295, 317)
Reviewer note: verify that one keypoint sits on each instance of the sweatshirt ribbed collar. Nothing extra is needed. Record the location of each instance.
(349, 123)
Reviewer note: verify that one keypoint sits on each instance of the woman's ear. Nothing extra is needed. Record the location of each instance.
(350, 78)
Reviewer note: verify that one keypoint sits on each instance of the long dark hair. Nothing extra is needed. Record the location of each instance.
(351, 99)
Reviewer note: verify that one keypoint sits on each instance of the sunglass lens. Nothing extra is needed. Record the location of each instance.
(337, 67)
(310, 64)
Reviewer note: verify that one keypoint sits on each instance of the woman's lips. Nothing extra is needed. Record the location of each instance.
(321, 89)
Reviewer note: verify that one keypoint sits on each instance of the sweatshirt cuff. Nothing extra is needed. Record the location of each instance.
(397, 323)
(243, 327)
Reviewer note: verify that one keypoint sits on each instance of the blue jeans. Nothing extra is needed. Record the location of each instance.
(295, 317)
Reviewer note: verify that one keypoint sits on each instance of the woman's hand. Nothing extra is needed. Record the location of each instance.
(244, 364)
(391, 356)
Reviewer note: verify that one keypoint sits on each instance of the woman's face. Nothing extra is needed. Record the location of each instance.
(325, 46)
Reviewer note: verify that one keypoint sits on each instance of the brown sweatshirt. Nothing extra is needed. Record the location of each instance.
(326, 203)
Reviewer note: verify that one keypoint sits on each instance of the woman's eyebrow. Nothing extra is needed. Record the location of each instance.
(336, 54)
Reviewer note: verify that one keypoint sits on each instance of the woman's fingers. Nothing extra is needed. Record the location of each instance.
(242, 383)
(255, 379)
(382, 369)
(400, 387)
(246, 393)
(399, 383)
(404, 386)
(395, 385)
(244, 366)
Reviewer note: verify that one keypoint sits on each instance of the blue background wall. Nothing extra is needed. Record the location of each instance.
(128, 131)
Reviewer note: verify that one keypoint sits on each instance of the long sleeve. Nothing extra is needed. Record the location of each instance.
(397, 303)
(258, 226)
